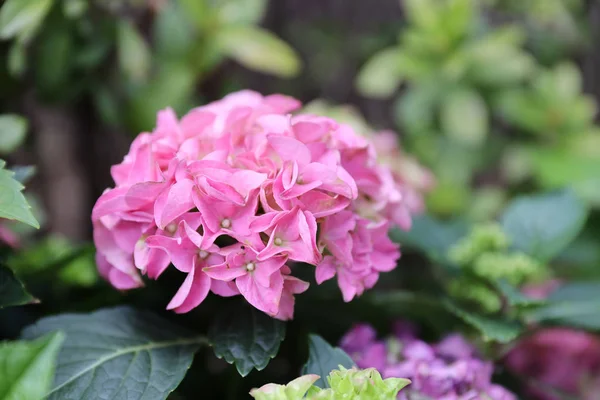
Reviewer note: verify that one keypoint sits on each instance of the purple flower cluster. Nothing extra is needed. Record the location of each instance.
(448, 370)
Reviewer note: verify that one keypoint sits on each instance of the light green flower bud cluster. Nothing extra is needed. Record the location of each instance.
(345, 384)
(476, 292)
(484, 253)
(483, 238)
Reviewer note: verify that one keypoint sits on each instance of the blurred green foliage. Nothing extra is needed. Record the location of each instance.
(128, 67)
(482, 107)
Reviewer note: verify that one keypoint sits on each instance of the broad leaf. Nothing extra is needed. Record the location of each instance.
(324, 358)
(12, 291)
(246, 337)
(27, 368)
(117, 353)
(259, 50)
(542, 226)
(381, 75)
(22, 17)
(464, 117)
(12, 202)
(431, 236)
(13, 129)
(574, 304)
(491, 329)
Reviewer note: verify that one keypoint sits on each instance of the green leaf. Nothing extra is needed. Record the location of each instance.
(22, 17)
(12, 202)
(464, 116)
(574, 304)
(259, 50)
(17, 59)
(381, 75)
(133, 52)
(246, 337)
(431, 236)
(74, 8)
(171, 87)
(324, 358)
(514, 297)
(245, 12)
(491, 329)
(27, 368)
(118, 353)
(13, 129)
(543, 225)
(172, 33)
(54, 58)
(12, 291)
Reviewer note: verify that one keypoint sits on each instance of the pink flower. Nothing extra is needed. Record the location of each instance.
(8, 237)
(259, 281)
(237, 194)
(292, 233)
(436, 371)
(558, 358)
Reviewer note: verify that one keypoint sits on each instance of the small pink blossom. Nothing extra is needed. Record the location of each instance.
(239, 193)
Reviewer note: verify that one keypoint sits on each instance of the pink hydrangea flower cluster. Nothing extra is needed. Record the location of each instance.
(448, 370)
(239, 190)
(7, 236)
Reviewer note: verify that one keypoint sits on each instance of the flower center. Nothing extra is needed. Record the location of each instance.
(250, 266)
(171, 228)
(277, 242)
(203, 254)
(226, 223)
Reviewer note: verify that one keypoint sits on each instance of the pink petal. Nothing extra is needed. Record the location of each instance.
(289, 149)
(173, 202)
(192, 292)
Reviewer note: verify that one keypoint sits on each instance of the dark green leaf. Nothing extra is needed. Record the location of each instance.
(324, 358)
(514, 297)
(27, 368)
(13, 129)
(118, 353)
(54, 58)
(259, 50)
(17, 59)
(543, 225)
(246, 337)
(12, 291)
(491, 329)
(13, 204)
(431, 236)
(574, 304)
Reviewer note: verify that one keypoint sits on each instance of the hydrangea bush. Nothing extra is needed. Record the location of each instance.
(239, 192)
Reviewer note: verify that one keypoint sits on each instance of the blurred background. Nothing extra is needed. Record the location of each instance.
(492, 95)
